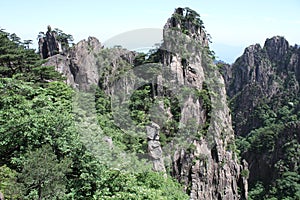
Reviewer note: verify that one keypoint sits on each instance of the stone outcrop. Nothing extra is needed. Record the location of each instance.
(48, 45)
(79, 66)
(154, 147)
(84, 63)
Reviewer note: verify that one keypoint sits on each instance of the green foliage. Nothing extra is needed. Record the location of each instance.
(140, 59)
(204, 95)
(8, 183)
(42, 174)
(31, 117)
(63, 38)
(85, 178)
(263, 139)
(245, 173)
(146, 185)
(140, 103)
(186, 19)
(257, 192)
(286, 187)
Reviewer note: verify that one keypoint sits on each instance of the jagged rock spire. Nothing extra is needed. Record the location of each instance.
(210, 170)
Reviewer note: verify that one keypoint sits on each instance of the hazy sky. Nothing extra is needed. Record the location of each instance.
(233, 24)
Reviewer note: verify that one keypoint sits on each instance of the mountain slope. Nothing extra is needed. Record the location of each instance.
(263, 87)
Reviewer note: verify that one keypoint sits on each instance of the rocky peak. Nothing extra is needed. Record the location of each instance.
(48, 45)
(252, 67)
(250, 53)
(264, 82)
(258, 67)
(79, 65)
(276, 48)
(188, 22)
(188, 61)
(91, 44)
(84, 61)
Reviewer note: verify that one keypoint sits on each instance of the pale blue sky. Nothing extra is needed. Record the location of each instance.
(233, 24)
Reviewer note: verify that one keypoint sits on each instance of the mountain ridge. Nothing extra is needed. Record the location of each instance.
(263, 90)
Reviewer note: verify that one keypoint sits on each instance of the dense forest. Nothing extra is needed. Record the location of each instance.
(63, 137)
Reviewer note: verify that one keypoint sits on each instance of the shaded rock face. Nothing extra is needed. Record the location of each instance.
(48, 45)
(261, 77)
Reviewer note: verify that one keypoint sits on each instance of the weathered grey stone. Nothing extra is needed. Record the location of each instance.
(84, 59)
(63, 65)
(154, 147)
(48, 45)
(80, 65)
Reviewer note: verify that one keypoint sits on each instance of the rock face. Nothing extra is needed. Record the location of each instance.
(263, 85)
(154, 147)
(79, 66)
(84, 63)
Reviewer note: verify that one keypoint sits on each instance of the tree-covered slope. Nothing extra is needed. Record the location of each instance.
(43, 148)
